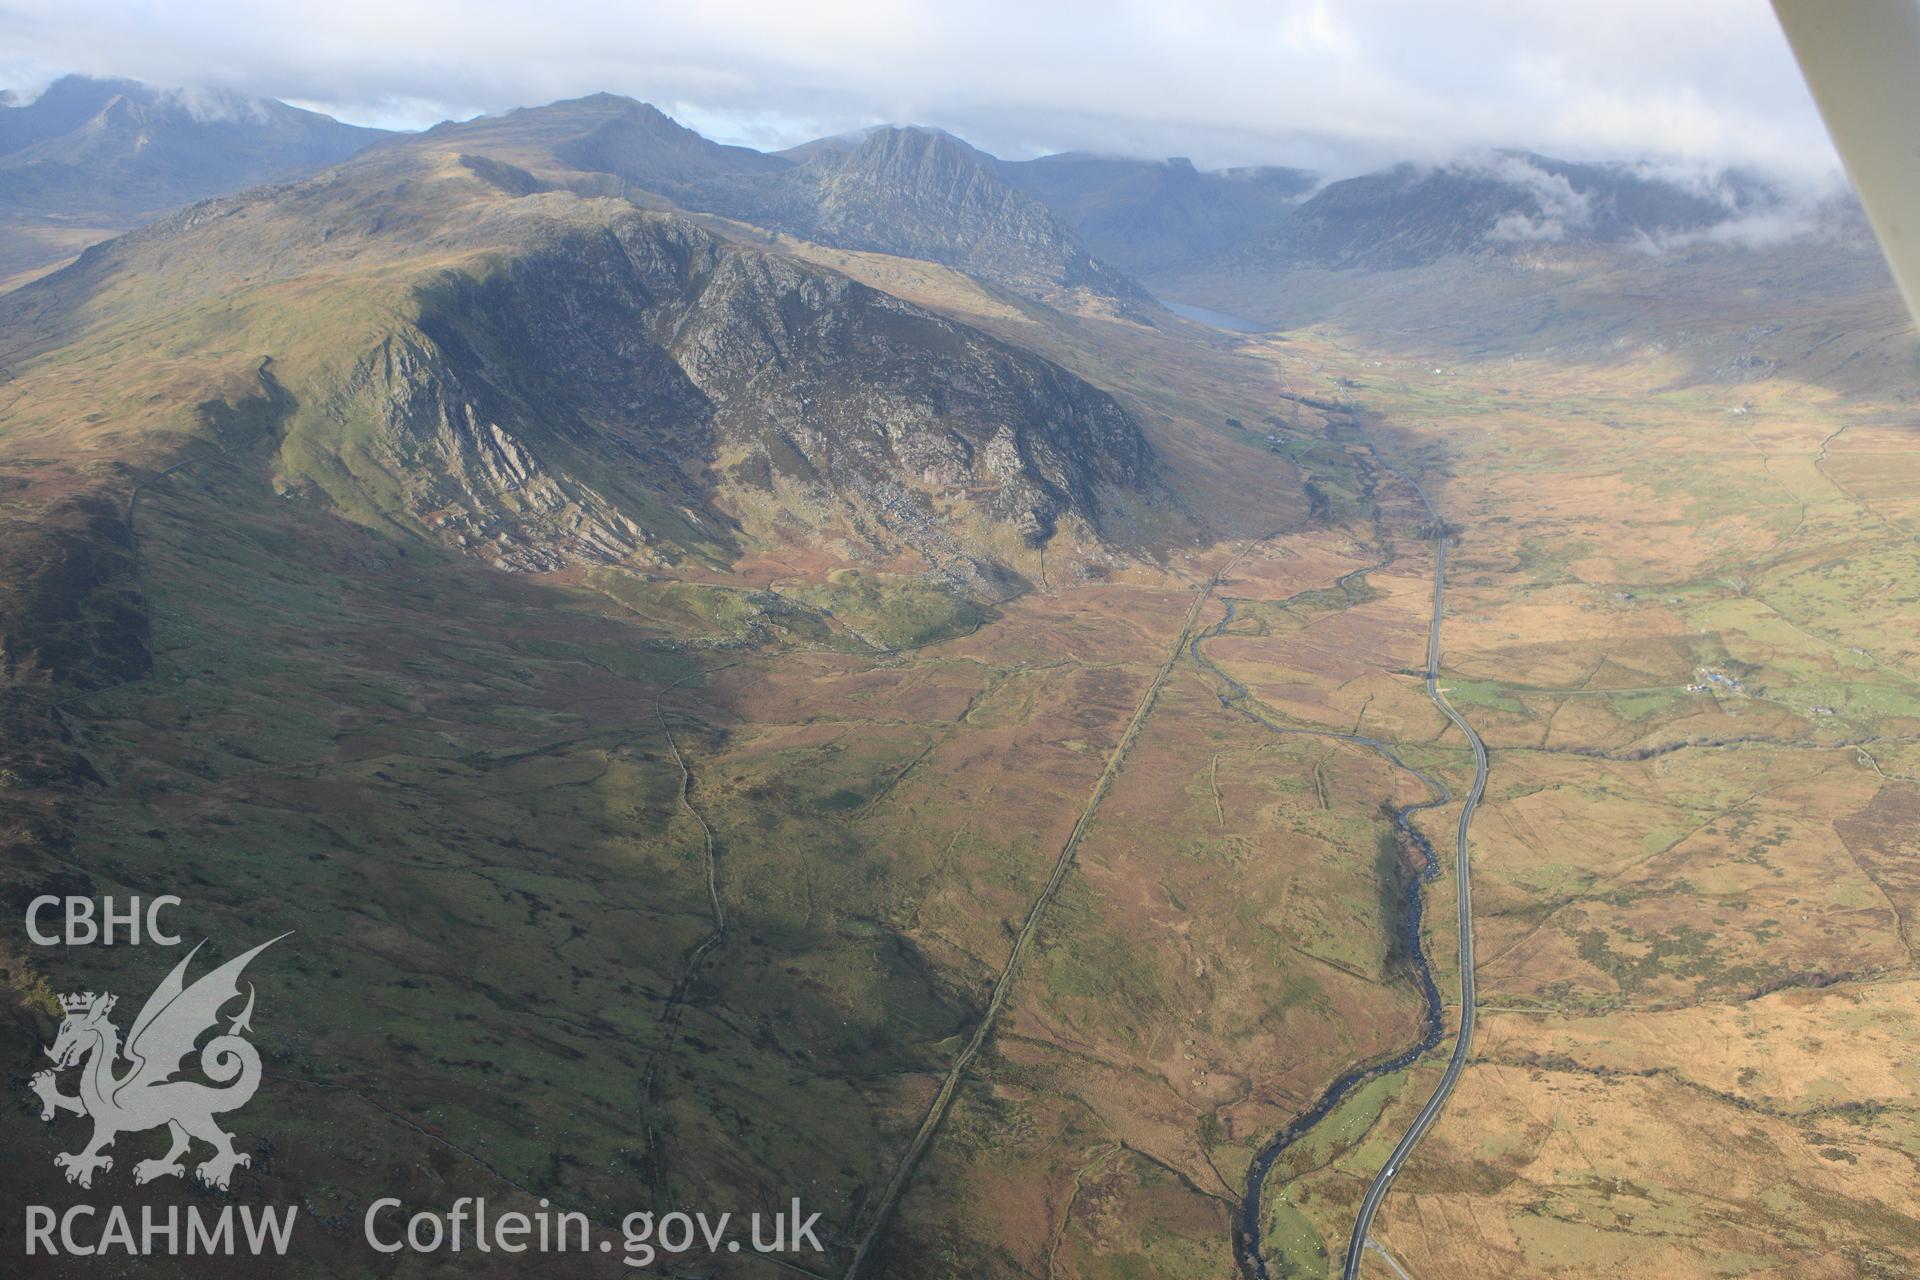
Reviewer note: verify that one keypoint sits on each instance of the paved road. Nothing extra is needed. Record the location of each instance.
(1383, 1181)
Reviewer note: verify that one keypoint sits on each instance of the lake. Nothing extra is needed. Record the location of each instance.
(1216, 319)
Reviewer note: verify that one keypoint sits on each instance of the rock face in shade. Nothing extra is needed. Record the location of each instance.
(601, 383)
(724, 380)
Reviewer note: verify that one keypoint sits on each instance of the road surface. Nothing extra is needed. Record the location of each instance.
(1248, 1219)
(1383, 1181)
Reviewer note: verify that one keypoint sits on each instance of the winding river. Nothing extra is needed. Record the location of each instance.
(1247, 1228)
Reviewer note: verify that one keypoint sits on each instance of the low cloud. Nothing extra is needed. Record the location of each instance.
(224, 106)
(1561, 208)
(1527, 229)
(1740, 207)
(1794, 221)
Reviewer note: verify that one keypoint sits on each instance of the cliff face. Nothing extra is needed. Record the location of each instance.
(838, 390)
(922, 193)
(641, 390)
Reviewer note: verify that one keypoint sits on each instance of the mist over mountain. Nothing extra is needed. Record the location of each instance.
(1414, 214)
(119, 150)
(89, 155)
(1480, 248)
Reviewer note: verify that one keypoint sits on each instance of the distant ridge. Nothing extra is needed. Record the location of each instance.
(924, 193)
(1146, 215)
(90, 156)
(122, 151)
(911, 191)
(1411, 215)
(606, 133)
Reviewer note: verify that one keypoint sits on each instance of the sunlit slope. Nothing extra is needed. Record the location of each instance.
(541, 380)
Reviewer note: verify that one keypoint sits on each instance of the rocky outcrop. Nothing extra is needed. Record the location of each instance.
(922, 193)
(473, 482)
(839, 389)
(639, 391)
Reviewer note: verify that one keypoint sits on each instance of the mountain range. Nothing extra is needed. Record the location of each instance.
(1145, 216)
(912, 192)
(112, 153)
(1415, 214)
(541, 379)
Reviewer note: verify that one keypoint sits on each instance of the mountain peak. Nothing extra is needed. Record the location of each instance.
(66, 104)
(607, 100)
(909, 151)
(604, 133)
(921, 192)
(122, 151)
(912, 144)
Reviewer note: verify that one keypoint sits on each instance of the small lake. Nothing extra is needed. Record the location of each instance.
(1216, 319)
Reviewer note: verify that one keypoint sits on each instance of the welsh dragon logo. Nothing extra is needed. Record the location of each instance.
(146, 1094)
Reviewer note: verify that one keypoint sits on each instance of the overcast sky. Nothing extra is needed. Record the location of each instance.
(1338, 87)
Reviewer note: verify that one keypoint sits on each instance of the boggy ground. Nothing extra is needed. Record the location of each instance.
(1680, 616)
(456, 788)
(462, 791)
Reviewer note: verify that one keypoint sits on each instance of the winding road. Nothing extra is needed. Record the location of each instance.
(1248, 1224)
(1462, 1047)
